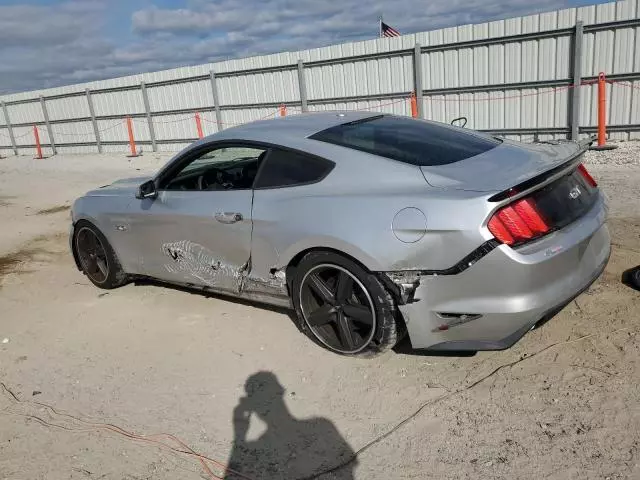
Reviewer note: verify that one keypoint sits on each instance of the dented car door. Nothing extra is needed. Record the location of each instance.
(196, 228)
(191, 237)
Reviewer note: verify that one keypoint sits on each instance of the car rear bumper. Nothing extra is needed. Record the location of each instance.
(509, 291)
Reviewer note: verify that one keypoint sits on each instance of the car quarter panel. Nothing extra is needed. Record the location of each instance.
(353, 209)
(509, 290)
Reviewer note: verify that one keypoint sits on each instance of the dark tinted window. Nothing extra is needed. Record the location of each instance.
(408, 140)
(283, 168)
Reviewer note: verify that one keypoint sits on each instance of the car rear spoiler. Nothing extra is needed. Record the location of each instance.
(587, 142)
(583, 144)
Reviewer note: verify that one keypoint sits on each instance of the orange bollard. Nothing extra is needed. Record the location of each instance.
(414, 105)
(132, 142)
(602, 115)
(36, 134)
(199, 125)
(283, 110)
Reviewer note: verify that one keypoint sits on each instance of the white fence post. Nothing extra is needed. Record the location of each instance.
(52, 141)
(92, 112)
(152, 133)
(574, 98)
(417, 79)
(10, 128)
(216, 101)
(302, 86)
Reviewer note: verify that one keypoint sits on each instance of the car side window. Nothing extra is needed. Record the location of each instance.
(284, 168)
(221, 168)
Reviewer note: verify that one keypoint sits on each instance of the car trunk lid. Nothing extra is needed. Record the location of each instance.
(502, 167)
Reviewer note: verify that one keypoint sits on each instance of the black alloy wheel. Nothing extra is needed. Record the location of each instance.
(337, 308)
(93, 255)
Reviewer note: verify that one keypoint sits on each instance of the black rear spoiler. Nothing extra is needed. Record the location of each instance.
(587, 142)
(527, 184)
(584, 144)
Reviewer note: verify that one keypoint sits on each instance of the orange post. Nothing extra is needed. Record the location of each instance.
(132, 142)
(602, 115)
(36, 134)
(283, 110)
(199, 125)
(414, 105)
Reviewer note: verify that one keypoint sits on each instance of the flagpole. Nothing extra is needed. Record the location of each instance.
(380, 26)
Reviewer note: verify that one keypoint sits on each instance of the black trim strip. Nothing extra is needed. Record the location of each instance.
(467, 262)
(532, 182)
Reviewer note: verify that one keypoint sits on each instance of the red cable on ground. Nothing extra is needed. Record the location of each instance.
(151, 439)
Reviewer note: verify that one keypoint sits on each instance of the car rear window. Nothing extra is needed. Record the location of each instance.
(284, 168)
(407, 140)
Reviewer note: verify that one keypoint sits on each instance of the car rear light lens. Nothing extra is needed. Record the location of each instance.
(518, 222)
(587, 176)
(551, 207)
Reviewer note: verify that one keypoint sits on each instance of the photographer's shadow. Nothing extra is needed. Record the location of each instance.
(289, 449)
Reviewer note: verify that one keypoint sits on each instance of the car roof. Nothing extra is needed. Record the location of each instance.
(292, 127)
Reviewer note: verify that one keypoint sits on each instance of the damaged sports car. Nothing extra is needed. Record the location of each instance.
(369, 226)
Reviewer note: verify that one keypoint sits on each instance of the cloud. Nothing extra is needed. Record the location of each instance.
(70, 42)
(187, 21)
(34, 25)
(346, 16)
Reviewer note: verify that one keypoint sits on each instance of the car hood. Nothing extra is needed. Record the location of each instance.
(125, 186)
(500, 168)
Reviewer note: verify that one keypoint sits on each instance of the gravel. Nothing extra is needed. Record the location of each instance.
(627, 153)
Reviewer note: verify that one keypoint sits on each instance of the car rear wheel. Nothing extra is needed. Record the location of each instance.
(97, 259)
(342, 307)
(635, 278)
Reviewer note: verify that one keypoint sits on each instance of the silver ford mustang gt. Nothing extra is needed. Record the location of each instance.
(369, 226)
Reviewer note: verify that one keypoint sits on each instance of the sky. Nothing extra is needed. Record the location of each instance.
(48, 43)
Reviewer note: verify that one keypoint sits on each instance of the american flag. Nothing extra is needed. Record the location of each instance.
(387, 31)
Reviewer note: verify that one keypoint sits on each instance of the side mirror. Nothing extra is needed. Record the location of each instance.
(459, 122)
(147, 190)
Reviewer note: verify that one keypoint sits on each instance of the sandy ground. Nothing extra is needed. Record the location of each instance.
(563, 403)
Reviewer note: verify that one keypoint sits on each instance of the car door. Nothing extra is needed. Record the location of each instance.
(197, 230)
(288, 207)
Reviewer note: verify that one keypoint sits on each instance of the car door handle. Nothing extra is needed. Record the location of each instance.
(228, 217)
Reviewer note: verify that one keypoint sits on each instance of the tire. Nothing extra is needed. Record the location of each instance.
(635, 278)
(115, 277)
(387, 328)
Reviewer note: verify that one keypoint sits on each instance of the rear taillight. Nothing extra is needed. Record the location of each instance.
(587, 176)
(550, 207)
(518, 222)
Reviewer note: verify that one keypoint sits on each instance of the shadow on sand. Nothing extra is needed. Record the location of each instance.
(289, 448)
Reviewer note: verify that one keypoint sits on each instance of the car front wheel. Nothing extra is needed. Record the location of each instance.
(343, 307)
(96, 257)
